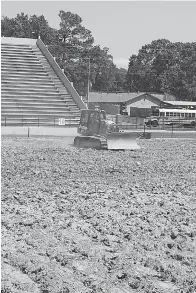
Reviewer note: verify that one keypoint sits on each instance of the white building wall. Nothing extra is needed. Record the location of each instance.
(143, 103)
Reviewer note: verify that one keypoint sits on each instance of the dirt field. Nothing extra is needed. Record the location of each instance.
(84, 221)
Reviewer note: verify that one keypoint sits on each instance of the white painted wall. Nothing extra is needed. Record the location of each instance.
(142, 103)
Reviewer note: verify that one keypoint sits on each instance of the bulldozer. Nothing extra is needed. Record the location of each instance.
(96, 132)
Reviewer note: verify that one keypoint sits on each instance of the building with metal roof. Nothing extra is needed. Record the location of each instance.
(114, 103)
(118, 98)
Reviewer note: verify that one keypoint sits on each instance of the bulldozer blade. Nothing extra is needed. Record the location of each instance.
(122, 141)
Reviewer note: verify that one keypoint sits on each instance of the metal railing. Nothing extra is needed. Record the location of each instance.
(134, 124)
(127, 122)
(38, 122)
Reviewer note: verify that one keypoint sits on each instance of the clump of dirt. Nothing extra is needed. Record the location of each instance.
(98, 221)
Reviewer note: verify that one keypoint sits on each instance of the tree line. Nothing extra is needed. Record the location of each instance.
(161, 66)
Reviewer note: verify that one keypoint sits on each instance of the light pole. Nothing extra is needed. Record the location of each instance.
(88, 88)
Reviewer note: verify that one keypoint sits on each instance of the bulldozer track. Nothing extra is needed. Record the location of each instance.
(91, 141)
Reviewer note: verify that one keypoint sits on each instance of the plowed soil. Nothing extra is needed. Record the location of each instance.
(89, 221)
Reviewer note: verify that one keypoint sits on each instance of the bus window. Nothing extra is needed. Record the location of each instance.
(182, 114)
(155, 112)
(167, 113)
(162, 114)
(178, 114)
(190, 114)
(175, 114)
(171, 114)
(193, 115)
(186, 114)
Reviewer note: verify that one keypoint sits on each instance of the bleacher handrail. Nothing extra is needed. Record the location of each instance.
(60, 74)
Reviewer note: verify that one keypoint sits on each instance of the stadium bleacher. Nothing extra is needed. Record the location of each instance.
(31, 91)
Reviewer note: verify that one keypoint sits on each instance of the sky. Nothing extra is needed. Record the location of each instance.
(122, 26)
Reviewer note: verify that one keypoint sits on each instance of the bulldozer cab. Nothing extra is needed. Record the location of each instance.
(92, 120)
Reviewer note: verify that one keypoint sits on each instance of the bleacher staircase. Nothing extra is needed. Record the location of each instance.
(31, 92)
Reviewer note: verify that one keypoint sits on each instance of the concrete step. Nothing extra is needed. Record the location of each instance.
(43, 100)
(19, 82)
(29, 89)
(9, 85)
(33, 100)
(19, 56)
(35, 93)
(13, 46)
(37, 111)
(28, 105)
(21, 65)
(6, 85)
(23, 73)
(21, 62)
(23, 69)
(38, 104)
(16, 50)
(13, 58)
(34, 96)
(42, 104)
(47, 89)
(26, 77)
(15, 53)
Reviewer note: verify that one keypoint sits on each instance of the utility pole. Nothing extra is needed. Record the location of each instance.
(88, 85)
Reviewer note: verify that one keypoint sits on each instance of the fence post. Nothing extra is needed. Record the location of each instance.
(5, 121)
(28, 132)
(117, 120)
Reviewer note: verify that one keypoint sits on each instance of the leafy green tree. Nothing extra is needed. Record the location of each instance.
(23, 26)
(164, 66)
(8, 26)
(120, 79)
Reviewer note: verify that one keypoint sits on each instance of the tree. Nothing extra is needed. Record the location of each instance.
(102, 70)
(8, 26)
(120, 79)
(164, 66)
(40, 27)
(23, 26)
